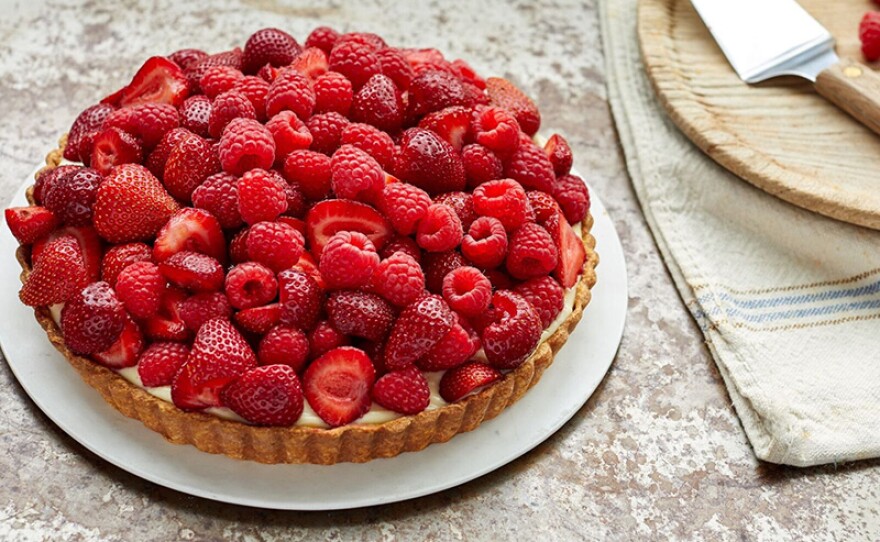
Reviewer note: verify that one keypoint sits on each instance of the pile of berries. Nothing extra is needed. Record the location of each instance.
(324, 223)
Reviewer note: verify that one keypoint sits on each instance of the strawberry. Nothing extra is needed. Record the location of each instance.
(259, 319)
(559, 153)
(58, 274)
(514, 333)
(155, 162)
(404, 391)
(451, 124)
(192, 271)
(190, 229)
(360, 314)
(379, 103)
(323, 37)
(327, 217)
(125, 351)
(82, 134)
(311, 62)
(190, 162)
(466, 379)
(168, 325)
(418, 328)
(284, 345)
(187, 57)
(131, 205)
(269, 395)
(160, 361)
(433, 90)
(28, 224)
(112, 147)
(90, 247)
(337, 385)
(869, 35)
(429, 162)
(300, 298)
(572, 254)
(455, 348)
(218, 356)
(324, 337)
(47, 177)
(119, 257)
(504, 94)
(92, 319)
(159, 80)
(268, 46)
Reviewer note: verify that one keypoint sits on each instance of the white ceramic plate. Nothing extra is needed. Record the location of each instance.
(80, 411)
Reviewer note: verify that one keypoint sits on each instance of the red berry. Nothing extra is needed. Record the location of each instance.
(47, 177)
(311, 62)
(574, 199)
(530, 167)
(495, 129)
(378, 103)
(28, 224)
(57, 275)
(514, 333)
(157, 159)
(405, 391)
(348, 260)
(112, 147)
(570, 247)
(83, 132)
(256, 90)
(463, 205)
(433, 90)
(168, 325)
(324, 337)
(245, 145)
(300, 298)
(429, 162)
(268, 46)
(869, 34)
(355, 175)
(131, 205)
(543, 205)
(399, 279)
(418, 328)
(218, 194)
(125, 351)
(118, 257)
(502, 93)
(227, 107)
(337, 385)
(284, 345)
(531, 253)
(328, 217)
(544, 294)
(360, 314)
(311, 171)
(480, 165)
(466, 379)
(373, 41)
(159, 80)
(326, 130)
(371, 140)
(259, 320)
(559, 154)
(201, 307)
(218, 79)
(291, 90)
(92, 319)
(467, 291)
(160, 361)
(261, 196)
(149, 122)
(218, 357)
(440, 229)
(404, 205)
(140, 287)
(191, 161)
(323, 38)
(193, 271)
(485, 243)
(276, 245)
(195, 114)
(455, 348)
(187, 57)
(72, 197)
(289, 134)
(404, 244)
(270, 395)
(356, 61)
(250, 284)
(193, 230)
(195, 71)
(395, 66)
(333, 92)
(503, 199)
(452, 124)
(437, 265)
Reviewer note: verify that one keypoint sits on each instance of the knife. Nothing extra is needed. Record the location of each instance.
(768, 38)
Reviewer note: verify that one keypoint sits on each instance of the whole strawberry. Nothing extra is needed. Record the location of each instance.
(268, 46)
(131, 205)
(93, 319)
(269, 395)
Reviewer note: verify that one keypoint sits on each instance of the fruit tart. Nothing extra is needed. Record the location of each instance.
(335, 251)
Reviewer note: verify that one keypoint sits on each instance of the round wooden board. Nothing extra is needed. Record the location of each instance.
(779, 135)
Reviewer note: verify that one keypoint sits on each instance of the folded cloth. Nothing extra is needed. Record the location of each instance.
(789, 301)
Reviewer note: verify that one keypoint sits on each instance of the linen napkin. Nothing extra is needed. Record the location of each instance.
(788, 301)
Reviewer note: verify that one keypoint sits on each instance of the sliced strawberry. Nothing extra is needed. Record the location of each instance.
(419, 327)
(466, 379)
(298, 225)
(455, 348)
(168, 324)
(504, 94)
(30, 223)
(307, 265)
(194, 271)
(160, 362)
(337, 385)
(90, 245)
(311, 62)
(125, 351)
(328, 217)
(57, 275)
(300, 298)
(219, 355)
(270, 395)
(570, 248)
(113, 147)
(159, 80)
(190, 229)
(82, 133)
(259, 319)
(452, 124)
(405, 391)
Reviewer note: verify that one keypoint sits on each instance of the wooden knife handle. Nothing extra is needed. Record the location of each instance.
(855, 88)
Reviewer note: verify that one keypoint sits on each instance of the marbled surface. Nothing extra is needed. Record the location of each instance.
(657, 452)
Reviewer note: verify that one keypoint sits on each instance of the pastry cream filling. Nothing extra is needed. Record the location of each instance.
(377, 414)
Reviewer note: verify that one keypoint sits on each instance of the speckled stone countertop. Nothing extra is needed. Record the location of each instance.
(657, 452)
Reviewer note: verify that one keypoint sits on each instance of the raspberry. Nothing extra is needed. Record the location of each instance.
(438, 265)
(72, 197)
(429, 162)
(360, 314)
(289, 133)
(218, 194)
(226, 107)
(348, 260)
(296, 200)
(356, 61)
(559, 154)
(189, 163)
(268, 46)
(186, 58)
(323, 37)
(399, 279)
(485, 243)
(300, 298)
(276, 245)
(379, 103)
(256, 91)
(530, 167)
(495, 129)
(419, 327)
(433, 90)
(261, 196)
(291, 90)
(324, 338)
(201, 307)
(514, 333)
(259, 320)
(333, 92)
(503, 199)
(371, 140)
(246, 144)
(147, 121)
(311, 171)
(82, 134)
(467, 291)
(455, 348)
(250, 284)
(405, 391)
(395, 66)
(326, 130)
(373, 41)
(440, 229)
(139, 287)
(404, 205)
(160, 361)
(118, 257)
(500, 280)
(194, 72)
(404, 244)
(193, 271)
(546, 296)
(92, 319)
(219, 79)
(869, 35)
(284, 345)
(195, 114)
(543, 205)
(532, 252)
(574, 199)
(463, 205)
(355, 175)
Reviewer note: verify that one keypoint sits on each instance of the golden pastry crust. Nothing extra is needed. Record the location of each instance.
(350, 443)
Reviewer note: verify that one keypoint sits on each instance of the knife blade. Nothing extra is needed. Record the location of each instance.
(768, 38)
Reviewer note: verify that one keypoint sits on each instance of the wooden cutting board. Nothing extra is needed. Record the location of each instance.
(779, 135)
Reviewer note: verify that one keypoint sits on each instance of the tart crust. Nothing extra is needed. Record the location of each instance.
(356, 443)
